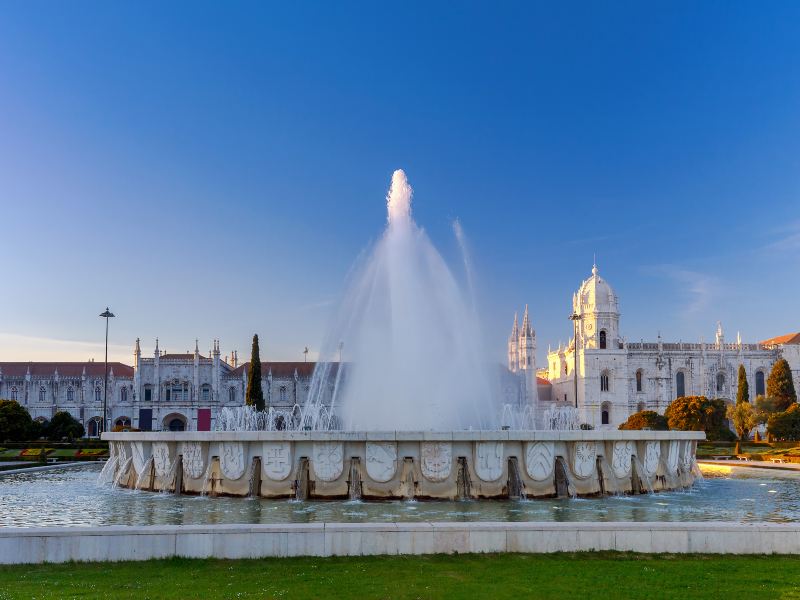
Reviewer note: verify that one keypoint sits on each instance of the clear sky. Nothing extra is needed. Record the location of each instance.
(211, 170)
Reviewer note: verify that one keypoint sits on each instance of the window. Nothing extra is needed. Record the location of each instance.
(123, 422)
(283, 393)
(760, 383)
(14, 394)
(680, 384)
(565, 368)
(604, 383)
(176, 424)
(70, 394)
(205, 393)
(603, 340)
(42, 394)
(148, 394)
(123, 394)
(639, 380)
(232, 394)
(720, 382)
(93, 427)
(605, 413)
(97, 397)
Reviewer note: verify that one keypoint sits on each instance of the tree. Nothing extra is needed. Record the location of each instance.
(255, 395)
(64, 425)
(646, 419)
(780, 384)
(698, 413)
(16, 424)
(785, 425)
(766, 407)
(743, 390)
(744, 418)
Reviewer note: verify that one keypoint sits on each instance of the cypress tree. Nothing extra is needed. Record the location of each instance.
(780, 385)
(743, 391)
(255, 395)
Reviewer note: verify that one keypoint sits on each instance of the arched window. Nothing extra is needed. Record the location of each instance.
(720, 382)
(603, 340)
(760, 391)
(14, 394)
(176, 424)
(123, 422)
(70, 394)
(604, 381)
(123, 394)
(205, 393)
(97, 396)
(232, 394)
(639, 380)
(605, 413)
(680, 384)
(93, 427)
(282, 395)
(42, 394)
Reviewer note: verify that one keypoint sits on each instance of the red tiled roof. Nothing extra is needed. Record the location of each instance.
(282, 369)
(789, 338)
(542, 381)
(65, 369)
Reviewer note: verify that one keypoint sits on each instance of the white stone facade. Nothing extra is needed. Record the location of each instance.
(617, 378)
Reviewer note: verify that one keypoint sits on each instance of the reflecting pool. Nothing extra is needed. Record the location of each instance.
(70, 497)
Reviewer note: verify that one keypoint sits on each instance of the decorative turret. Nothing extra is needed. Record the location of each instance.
(720, 335)
(527, 357)
(513, 347)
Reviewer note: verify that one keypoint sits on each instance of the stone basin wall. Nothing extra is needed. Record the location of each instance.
(396, 465)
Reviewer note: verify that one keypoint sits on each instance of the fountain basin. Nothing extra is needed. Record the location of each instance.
(404, 464)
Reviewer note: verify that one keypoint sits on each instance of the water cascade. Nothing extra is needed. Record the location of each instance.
(206, 478)
(123, 472)
(179, 475)
(166, 481)
(609, 483)
(408, 467)
(108, 472)
(564, 488)
(354, 483)
(406, 335)
(639, 477)
(463, 483)
(516, 488)
(254, 490)
(145, 476)
(301, 483)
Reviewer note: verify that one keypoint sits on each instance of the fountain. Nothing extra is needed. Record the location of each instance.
(402, 405)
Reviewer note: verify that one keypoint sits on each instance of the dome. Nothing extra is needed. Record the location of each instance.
(595, 295)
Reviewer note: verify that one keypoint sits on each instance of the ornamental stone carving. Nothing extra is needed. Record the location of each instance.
(277, 461)
(584, 457)
(161, 458)
(673, 455)
(652, 454)
(489, 460)
(437, 460)
(621, 459)
(381, 461)
(539, 460)
(193, 462)
(138, 456)
(231, 460)
(328, 460)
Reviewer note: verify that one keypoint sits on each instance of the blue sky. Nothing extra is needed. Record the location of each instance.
(212, 170)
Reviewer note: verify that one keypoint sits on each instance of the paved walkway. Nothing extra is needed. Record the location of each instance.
(761, 464)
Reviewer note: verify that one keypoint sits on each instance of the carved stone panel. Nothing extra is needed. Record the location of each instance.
(584, 457)
(539, 460)
(328, 460)
(621, 459)
(381, 461)
(277, 461)
(687, 459)
(652, 454)
(436, 460)
(673, 456)
(138, 456)
(231, 460)
(161, 458)
(193, 461)
(489, 460)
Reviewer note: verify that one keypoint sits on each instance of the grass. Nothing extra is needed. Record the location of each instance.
(594, 575)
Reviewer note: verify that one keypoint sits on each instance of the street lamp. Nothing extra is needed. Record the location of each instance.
(106, 315)
(575, 317)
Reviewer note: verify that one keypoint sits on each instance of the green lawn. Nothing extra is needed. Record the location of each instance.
(513, 576)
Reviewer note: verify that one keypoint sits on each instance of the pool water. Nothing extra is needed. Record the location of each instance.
(71, 497)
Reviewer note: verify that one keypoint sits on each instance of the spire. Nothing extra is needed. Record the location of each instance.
(515, 329)
(720, 333)
(594, 265)
(156, 345)
(137, 349)
(196, 347)
(526, 324)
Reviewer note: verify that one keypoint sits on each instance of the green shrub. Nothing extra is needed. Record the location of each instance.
(646, 419)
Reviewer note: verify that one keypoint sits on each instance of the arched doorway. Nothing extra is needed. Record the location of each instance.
(174, 422)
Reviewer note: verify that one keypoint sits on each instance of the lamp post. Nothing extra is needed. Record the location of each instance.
(107, 314)
(575, 317)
